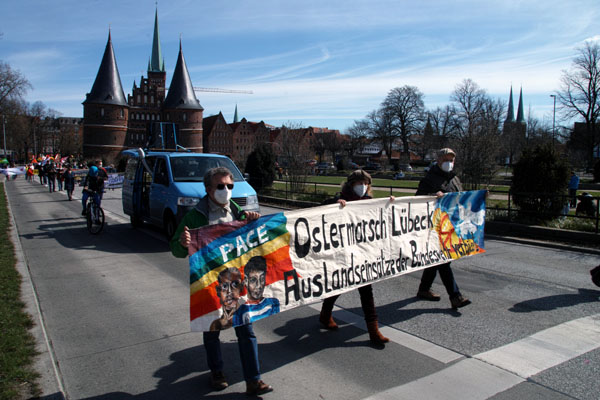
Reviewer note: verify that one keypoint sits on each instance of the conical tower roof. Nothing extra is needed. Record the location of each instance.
(107, 88)
(520, 114)
(157, 62)
(181, 92)
(510, 114)
(235, 115)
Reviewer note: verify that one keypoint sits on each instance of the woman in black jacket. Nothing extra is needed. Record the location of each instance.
(356, 187)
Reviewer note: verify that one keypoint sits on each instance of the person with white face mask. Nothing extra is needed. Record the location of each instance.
(441, 179)
(216, 208)
(356, 187)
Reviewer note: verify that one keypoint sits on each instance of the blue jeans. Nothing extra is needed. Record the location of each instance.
(51, 184)
(85, 196)
(447, 279)
(248, 348)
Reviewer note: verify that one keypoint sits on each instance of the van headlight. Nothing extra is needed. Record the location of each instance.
(252, 199)
(187, 201)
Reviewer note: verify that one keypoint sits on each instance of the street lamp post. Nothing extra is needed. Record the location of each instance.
(4, 132)
(553, 119)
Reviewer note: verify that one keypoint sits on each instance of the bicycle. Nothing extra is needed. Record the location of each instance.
(94, 215)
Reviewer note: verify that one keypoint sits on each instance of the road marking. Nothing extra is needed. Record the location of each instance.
(412, 342)
(497, 370)
(547, 348)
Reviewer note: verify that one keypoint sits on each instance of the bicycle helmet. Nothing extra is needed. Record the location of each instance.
(93, 172)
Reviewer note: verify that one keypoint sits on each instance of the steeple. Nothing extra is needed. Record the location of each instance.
(107, 88)
(520, 115)
(157, 62)
(510, 114)
(181, 92)
(235, 115)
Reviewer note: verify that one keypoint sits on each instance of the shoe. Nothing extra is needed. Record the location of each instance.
(375, 335)
(428, 295)
(459, 301)
(257, 388)
(218, 381)
(83, 213)
(327, 322)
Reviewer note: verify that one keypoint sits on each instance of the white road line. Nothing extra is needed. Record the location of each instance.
(415, 343)
(495, 371)
(547, 348)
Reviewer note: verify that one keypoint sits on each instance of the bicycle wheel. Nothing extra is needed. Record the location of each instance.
(95, 219)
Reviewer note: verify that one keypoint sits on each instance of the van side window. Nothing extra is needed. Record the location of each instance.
(130, 169)
(160, 173)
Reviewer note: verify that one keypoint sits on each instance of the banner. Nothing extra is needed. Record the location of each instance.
(243, 271)
(13, 171)
(114, 181)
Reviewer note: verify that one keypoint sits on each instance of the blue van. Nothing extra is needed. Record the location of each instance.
(161, 187)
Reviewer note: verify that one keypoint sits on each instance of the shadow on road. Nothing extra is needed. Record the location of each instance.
(557, 301)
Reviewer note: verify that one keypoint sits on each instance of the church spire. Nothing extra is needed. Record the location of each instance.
(235, 115)
(157, 62)
(520, 114)
(510, 114)
(181, 92)
(107, 88)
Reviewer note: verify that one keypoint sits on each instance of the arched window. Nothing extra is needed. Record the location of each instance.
(102, 112)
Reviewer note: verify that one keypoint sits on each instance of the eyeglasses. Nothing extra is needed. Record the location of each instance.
(229, 286)
(221, 186)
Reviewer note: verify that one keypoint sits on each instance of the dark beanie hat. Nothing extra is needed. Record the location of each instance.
(359, 175)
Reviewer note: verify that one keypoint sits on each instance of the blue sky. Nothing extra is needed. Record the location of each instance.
(319, 63)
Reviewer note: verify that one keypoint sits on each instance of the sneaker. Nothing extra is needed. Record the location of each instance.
(459, 301)
(257, 388)
(218, 381)
(428, 295)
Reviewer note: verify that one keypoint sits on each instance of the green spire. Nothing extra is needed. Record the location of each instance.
(235, 116)
(156, 63)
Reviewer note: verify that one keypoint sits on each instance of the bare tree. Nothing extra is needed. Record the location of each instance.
(579, 93)
(294, 145)
(406, 109)
(476, 132)
(382, 130)
(357, 136)
(13, 85)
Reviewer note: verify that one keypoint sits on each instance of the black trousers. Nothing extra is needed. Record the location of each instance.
(447, 279)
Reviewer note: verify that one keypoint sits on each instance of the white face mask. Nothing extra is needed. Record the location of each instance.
(447, 166)
(223, 196)
(360, 190)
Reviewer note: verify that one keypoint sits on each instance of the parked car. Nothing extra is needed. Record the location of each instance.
(325, 167)
(160, 187)
(353, 165)
(373, 166)
(405, 167)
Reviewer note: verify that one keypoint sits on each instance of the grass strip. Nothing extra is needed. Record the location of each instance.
(17, 345)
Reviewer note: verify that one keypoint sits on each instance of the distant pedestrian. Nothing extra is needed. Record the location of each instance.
(69, 180)
(51, 176)
(441, 179)
(573, 186)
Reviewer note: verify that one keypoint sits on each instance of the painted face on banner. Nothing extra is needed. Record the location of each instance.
(255, 285)
(229, 292)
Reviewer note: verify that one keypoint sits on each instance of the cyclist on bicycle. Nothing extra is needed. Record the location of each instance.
(93, 182)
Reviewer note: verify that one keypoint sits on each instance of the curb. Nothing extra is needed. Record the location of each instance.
(45, 364)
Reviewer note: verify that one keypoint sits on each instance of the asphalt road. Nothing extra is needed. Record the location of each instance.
(115, 319)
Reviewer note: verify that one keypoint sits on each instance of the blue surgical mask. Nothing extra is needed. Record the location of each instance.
(447, 166)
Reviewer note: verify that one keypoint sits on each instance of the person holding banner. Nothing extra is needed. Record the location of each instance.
(356, 187)
(441, 179)
(216, 208)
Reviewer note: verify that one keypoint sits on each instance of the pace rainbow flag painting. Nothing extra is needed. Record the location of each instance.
(243, 271)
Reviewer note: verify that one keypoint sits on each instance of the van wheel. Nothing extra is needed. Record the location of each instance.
(169, 225)
(136, 222)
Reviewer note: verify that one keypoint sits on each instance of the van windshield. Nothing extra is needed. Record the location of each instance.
(192, 169)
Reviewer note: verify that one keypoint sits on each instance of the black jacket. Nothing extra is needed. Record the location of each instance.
(437, 180)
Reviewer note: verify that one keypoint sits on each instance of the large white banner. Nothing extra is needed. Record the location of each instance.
(241, 272)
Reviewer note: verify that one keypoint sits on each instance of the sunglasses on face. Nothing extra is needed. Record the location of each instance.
(221, 186)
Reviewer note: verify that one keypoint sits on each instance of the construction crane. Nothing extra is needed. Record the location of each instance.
(217, 90)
